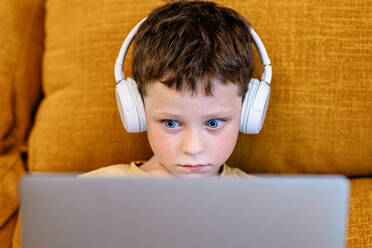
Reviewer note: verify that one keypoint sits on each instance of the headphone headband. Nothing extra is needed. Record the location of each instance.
(119, 74)
(265, 60)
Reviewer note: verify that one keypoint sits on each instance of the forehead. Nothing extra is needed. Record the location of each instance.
(160, 98)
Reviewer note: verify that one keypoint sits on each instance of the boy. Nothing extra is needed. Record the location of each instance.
(192, 61)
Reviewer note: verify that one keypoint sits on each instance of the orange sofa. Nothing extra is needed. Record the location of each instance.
(58, 111)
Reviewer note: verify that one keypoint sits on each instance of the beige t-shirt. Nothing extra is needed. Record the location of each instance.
(134, 170)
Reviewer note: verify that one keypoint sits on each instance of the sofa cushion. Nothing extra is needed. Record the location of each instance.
(320, 115)
(7, 231)
(360, 217)
(22, 36)
(11, 170)
(20, 69)
(78, 127)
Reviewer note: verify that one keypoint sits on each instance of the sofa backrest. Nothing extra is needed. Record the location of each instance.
(320, 113)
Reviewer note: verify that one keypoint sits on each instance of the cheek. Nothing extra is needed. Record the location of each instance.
(161, 144)
(224, 144)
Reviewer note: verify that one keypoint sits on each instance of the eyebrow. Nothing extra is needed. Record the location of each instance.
(217, 114)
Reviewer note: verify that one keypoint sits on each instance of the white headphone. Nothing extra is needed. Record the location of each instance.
(254, 106)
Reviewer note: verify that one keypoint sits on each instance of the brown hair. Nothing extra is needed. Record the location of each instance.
(185, 43)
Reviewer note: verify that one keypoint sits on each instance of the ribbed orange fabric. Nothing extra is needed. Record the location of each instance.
(21, 32)
(360, 216)
(320, 115)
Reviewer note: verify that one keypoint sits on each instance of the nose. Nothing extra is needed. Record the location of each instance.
(193, 143)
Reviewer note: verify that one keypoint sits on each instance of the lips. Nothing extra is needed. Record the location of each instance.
(194, 167)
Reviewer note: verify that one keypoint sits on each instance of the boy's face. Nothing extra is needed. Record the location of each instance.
(191, 136)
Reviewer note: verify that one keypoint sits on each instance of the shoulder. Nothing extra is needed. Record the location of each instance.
(234, 172)
(117, 170)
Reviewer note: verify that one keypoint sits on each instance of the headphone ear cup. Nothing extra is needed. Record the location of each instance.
(130, 105)
(254, 107)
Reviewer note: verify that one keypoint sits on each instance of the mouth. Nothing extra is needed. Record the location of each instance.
(193, 167)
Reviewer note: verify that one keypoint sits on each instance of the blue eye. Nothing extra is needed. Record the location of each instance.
(171, 123)
(214, 123)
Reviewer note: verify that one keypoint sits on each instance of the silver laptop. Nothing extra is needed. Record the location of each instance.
(287, 211)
